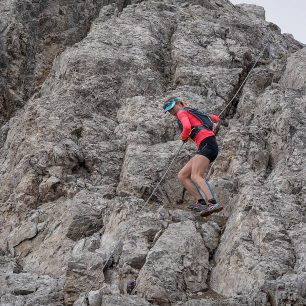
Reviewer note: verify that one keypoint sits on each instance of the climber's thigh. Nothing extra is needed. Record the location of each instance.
(185, 172)
(199, 164)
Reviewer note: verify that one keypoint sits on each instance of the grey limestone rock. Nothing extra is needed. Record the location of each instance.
(294, 76)
(175, 266)
(266, 186)
(24, 288)
(253, 9)
(211, 234)
(33, 33)
(96, 298)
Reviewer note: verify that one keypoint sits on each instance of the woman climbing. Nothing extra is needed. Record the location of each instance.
(199, 127)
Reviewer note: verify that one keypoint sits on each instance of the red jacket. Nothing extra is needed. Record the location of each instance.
(188, 120)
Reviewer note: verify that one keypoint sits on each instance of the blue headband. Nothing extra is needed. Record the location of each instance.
(173, 100)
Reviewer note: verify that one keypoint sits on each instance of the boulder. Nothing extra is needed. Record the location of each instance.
(254, 10)
(294, 76)
(175, 266)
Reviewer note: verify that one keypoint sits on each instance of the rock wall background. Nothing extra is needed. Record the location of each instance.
(33, 33)
(83, 142)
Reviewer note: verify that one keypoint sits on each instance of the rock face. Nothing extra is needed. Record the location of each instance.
(24, 288)
(263, 236)
(173, 270)
(80, 157)
(294, 76)
(33, 33)
(253, 9)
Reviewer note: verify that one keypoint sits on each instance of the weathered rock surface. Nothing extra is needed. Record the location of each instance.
(96, 298)
(20, 288)
(33, 33)
(80, 157)
(262, 234)
(294, 76)
(173, 270)
(253, 9)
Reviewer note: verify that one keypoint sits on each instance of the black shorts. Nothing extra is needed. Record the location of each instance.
(209, 148)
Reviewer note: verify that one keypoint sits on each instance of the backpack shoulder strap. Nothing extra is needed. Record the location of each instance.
(179, 124)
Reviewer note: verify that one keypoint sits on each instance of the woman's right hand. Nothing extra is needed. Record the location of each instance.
(183, 139)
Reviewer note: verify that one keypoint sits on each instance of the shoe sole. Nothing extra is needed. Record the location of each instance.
(207, 213)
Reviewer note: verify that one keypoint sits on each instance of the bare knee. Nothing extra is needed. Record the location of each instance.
(182, 176)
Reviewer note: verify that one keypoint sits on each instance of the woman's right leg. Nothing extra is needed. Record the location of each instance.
(184, 178)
